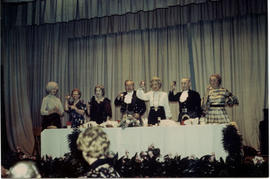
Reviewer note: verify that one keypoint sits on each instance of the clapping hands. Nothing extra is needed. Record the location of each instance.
(54, 110)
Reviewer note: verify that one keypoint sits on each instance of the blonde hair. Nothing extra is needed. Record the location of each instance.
(157, 79)
(94, 142)
(51, 85)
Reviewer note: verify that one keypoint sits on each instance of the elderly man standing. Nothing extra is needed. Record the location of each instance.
(129, 102)
(189, 100)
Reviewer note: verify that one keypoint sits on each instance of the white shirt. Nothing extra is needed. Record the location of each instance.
(184, 96)
(128, 97)
(156, 98)
(49, 103)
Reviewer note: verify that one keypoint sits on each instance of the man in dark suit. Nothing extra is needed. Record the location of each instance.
(129, 102)
(189, 101)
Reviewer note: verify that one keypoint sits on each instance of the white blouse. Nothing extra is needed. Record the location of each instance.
(49, 102)
(156, 98)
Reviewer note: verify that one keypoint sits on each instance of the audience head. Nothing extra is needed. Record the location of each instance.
(94, 144)
(24, 169)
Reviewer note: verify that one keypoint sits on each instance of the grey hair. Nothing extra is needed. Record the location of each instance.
(93, 141)
(24, 169)
(51, 85)
(186, 78)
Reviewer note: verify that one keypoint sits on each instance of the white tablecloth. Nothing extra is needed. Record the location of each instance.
(182, 140)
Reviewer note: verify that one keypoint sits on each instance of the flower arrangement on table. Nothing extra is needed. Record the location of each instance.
(106, 124)
(129, 121)
(192, 121)
(109, 123)
(88, 124)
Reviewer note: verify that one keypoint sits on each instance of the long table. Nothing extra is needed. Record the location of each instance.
(180, 140)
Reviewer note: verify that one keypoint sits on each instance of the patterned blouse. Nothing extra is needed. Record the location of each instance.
(221, 97)
(75, 118)
(101, 169)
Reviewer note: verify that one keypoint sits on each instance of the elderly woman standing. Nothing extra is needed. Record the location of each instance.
(216, 101)
(159, 103)
(51, 108)
(94, 144)
(99, 108)
(75, 107)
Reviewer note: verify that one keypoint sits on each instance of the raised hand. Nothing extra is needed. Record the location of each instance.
(173, 86)
(120, 96)
(142, 84)
(67, 97)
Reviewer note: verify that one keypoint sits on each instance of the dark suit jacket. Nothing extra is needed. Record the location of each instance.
(137, 105)
(193, 103)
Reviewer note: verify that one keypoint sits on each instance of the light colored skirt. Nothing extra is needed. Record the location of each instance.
(217, 115)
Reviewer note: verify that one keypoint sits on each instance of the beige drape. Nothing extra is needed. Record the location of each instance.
(16, 98)
(137, 55)
(237, 50)
(190, 41)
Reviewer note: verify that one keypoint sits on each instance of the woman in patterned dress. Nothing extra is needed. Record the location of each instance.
(76, 108)
(216, 101)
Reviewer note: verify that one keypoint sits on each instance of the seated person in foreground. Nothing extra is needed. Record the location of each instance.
(94, 144)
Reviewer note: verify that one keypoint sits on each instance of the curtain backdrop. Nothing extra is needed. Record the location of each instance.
(112, 49)
(16, 98)
(53, 11)
(184, 11)
(236, 49)
(138, 55)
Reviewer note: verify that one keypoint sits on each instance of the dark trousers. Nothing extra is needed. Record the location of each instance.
(153, 115)
(51, 120)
